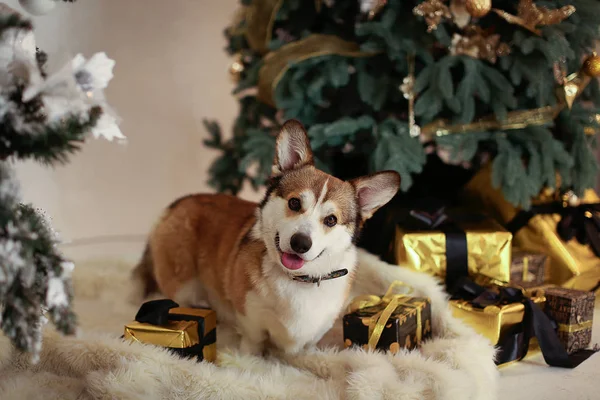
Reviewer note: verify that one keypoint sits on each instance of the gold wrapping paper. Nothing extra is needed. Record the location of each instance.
(176, 334)
(493, 321)
(569, 261)
(488, 244)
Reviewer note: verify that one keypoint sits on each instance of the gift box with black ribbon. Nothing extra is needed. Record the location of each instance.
(453, 244)
(188, 332)
(564, 227)
(515, 323)
(392, 322)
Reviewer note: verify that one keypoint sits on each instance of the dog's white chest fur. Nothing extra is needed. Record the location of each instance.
(290, 314)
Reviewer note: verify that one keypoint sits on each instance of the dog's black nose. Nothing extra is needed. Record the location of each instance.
(300, 242)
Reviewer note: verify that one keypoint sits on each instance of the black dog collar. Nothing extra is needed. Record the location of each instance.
(309, 279)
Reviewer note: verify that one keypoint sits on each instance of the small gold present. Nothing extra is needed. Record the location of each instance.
(493, 321)
(568, 259)
(485, 253)
(497, 322)
(188, 332)
(391, 322)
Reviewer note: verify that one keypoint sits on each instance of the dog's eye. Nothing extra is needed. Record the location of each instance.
(294, 204)
(330, 220)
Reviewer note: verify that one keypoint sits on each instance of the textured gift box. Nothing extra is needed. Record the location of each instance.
(408, 325)
(488, 249)
(573, 311)
(189, 332)
(527, 268)
(571, 264)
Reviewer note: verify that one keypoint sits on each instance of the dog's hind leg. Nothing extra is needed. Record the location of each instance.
(192, 294)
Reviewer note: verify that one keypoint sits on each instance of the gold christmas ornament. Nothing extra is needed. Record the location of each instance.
(460, 15)
(571, 90)
(236, 68)
(434, 11)
(408, 90)
(376, 7)
(478, 8)
(530, 16)
(480, 44)
(592, 130)
(591, 66)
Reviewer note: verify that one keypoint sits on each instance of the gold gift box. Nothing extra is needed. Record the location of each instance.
(492, 322)
(568, 260)
(177, 334)
(488, 245)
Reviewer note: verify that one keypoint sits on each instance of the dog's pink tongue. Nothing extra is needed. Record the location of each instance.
(291, 261)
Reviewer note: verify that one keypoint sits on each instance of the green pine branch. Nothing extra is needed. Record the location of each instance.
(353, 107)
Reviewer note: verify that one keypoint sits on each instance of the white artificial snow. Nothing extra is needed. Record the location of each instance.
(11, 260)
(47, 222)
(9, 187)
(56, 296)
(68, 267)
(16, 44)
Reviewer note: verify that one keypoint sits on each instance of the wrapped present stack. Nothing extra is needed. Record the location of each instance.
(554, 321)
(522, 279)
(188, 332)
(562, 226)
(389, 323)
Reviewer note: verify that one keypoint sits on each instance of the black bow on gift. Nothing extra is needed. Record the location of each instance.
(581, 222)
(514, 345)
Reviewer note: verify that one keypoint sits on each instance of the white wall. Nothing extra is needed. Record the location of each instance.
(170, 73)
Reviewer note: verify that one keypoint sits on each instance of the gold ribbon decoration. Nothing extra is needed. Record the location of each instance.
(260, 17)
(571, 328)
(277, 63)
(392, 301)
(514, 119)
(525, 277)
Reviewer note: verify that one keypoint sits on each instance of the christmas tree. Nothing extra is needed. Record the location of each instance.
(405, 85)
(44, 118)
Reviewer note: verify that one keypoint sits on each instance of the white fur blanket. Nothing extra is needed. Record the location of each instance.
(456, 364)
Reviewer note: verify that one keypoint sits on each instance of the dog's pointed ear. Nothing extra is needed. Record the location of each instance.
(292, 148)
(375, 191)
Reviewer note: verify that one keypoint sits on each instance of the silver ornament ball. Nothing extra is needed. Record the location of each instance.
(38, 7)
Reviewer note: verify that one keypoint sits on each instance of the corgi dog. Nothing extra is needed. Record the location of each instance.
(279, 271)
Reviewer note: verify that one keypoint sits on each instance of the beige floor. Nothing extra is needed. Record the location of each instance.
(101, 311)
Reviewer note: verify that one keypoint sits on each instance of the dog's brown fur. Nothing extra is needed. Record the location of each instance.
(179, 243)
